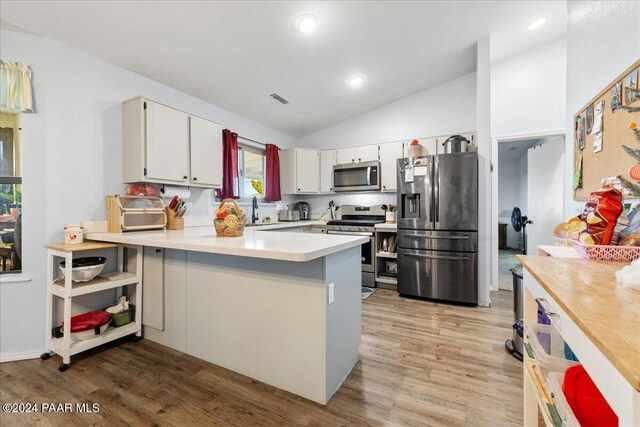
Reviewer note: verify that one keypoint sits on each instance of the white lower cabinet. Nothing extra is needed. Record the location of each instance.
(300, 171)
(165, 300)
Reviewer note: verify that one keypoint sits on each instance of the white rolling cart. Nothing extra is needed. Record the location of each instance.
(128, 274)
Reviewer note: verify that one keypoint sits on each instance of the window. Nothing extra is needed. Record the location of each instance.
(10, 194)
(251, 172)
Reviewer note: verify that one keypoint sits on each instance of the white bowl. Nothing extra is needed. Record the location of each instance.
(83, 274)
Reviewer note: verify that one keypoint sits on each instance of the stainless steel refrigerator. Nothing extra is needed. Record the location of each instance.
(438, 227)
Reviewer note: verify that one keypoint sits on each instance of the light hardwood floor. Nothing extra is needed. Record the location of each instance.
(421, 364)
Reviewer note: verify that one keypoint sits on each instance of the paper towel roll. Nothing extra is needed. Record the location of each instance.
(168, 191)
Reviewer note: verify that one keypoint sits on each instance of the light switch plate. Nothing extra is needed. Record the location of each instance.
(330, 293)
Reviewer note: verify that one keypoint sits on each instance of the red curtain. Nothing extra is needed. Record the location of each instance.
(272, 187)
(229, 165)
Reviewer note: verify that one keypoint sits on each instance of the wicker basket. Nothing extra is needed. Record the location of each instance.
(607, 252)
(229, 219)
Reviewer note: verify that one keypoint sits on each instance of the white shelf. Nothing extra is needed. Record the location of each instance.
(387, 255)
(387, 280)
(99, 283)
(110, 334)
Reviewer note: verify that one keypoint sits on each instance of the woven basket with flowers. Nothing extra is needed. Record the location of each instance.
(229, 219)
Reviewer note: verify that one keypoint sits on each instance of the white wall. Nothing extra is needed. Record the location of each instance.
(509, 196)
(449, 107)
(603, 39)
(72, 159)
(528, 91)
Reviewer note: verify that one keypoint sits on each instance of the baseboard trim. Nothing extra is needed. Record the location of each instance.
(24, 355)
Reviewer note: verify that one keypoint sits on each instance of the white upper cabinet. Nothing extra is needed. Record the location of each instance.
(357, 154)
(299, 171)
(206, 152)
(168, 146)
(366, 153)
(327, 161)
(389, 154)
(430, 144)
(345, 155)
(167, 151)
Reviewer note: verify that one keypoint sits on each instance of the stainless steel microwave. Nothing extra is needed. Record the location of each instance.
(363, 176)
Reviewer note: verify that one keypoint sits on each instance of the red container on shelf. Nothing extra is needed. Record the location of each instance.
(89, 321)
(587, 403)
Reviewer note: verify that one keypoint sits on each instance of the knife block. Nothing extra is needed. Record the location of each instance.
(174, 223)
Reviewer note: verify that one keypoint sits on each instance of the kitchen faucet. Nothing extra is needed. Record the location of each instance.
(254, 210)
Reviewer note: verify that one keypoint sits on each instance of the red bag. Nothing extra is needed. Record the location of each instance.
(600, 215)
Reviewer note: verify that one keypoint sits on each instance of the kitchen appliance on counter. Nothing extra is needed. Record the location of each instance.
(304, 209)
(438, 227)
(363, 176)
(133, 213)
(288, 215)
(360, 221)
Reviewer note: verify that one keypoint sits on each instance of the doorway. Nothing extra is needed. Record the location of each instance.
(530, 177)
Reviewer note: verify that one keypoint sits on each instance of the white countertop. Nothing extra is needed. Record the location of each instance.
(257, 242)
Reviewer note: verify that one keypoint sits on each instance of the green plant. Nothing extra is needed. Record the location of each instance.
(14, 196)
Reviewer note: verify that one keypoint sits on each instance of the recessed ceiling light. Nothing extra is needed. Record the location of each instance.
(356, 80)
(536, 23)
(307, 23)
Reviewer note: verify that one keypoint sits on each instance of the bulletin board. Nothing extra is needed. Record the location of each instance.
(612, 160)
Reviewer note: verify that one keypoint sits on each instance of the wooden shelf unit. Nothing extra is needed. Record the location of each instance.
(129, 273)
(382, 257)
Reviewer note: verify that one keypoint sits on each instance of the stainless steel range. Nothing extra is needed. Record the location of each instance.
(360, 221)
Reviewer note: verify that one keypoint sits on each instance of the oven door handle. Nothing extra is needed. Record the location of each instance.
(369, 175)
(350, 233)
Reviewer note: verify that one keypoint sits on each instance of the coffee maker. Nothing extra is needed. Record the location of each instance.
(304, 209)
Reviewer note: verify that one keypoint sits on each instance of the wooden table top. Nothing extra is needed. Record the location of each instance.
(85, 246)
(607, 313)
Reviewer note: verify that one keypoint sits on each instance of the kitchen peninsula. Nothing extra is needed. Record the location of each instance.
(279, 307)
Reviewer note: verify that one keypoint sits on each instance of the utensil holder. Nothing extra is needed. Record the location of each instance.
(390, 217)
(174, 223)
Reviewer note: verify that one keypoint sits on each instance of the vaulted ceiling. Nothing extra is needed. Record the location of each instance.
(235, 54)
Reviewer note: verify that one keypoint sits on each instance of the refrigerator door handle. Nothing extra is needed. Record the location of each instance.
(452, 258)
(436, 189)
(466, 237)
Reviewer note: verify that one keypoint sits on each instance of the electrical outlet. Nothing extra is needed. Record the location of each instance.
(331, 294)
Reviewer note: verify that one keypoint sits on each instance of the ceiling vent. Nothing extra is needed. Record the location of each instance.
(279, 98)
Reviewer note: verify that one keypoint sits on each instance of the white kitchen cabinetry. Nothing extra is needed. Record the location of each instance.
(366, 153)
(300, 171)
(389, 154)
(430, 144)
(345, 155)
(327, 161)
(206, 152)
(166, 145)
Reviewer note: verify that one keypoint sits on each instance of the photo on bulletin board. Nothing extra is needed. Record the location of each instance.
(589, 119)
(616, 97)
(631, 87)
(581, 132)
